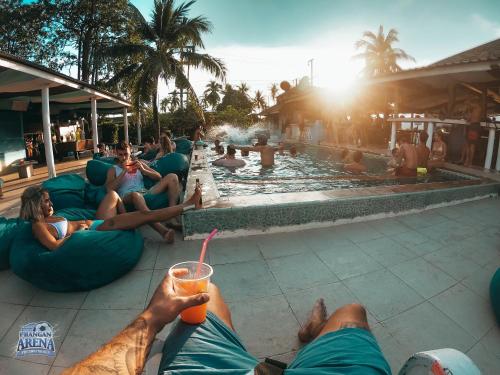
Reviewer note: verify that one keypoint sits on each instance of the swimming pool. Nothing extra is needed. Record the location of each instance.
(313, 169)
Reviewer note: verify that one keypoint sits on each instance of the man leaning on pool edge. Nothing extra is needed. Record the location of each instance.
(341, 344)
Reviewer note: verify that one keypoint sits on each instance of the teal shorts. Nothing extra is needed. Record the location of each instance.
(213, 348)
(95, 224)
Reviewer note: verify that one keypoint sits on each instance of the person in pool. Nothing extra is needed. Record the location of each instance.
(266, 151)
(356, 166)
(52, 231)
(229, 160)
(341, 343)
(408, 156)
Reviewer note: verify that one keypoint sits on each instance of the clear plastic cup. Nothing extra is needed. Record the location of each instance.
(188, 284)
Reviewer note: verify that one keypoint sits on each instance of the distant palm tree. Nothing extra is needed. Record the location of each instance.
(379, 55)
(174, 100)
(160, 51)
(243, 88)
(259, 102)
(164, 103)
(274, 91)
(212, 93)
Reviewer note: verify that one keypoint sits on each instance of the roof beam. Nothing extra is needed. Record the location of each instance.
(491, 93)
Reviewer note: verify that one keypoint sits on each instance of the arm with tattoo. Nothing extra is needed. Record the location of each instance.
(126, 353)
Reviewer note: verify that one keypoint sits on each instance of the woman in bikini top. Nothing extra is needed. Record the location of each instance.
(51, 231)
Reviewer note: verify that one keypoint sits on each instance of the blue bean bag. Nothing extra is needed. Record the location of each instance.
(495, 294)
(8, 231)
(150, 155)
(85, 261)
(74, 214)
(96, 171)
(66, 191)
(183, 146)
(171, 163)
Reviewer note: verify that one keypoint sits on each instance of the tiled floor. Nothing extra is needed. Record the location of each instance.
(423, 278)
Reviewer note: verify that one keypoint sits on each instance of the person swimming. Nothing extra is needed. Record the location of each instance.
(356, 167)
(266, 151)
(229, 160)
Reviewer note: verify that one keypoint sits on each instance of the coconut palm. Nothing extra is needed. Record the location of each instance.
(174, 100)
(379, 55)
(212, 93)
(274, 91)
(164, 103)
(162, 47)
(243, 88)
(259, 102)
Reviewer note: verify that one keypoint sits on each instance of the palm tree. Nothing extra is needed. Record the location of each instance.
(274, 91)
(212, 97)
(174, 100)
(164, 104)
(243, 88)
(379, 55)
(259, 102)
(164, 45)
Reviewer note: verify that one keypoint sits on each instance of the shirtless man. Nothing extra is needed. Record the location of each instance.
(408, 156)
(473, 132)
(423, 152)
(356, 167)
(229, 160)
(266, 151)
(198, 134)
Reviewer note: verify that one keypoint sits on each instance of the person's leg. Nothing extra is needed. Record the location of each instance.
(110, 206)
(218, 306)
(139, 203)
(347, 316)
(132, 220)
(472, 151)
(170, 185)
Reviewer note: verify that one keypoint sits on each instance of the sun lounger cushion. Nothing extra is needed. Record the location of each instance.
(495, 294)
(183, 146)
(8, 231)
(66, 191)
(87, 260)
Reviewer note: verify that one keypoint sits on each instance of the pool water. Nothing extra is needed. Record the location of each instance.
(313, 169)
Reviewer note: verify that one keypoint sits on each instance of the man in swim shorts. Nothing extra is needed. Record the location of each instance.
(339, 344)
(266, 151)
(408, 155)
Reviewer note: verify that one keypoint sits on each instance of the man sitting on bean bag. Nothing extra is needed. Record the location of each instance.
(127, 179)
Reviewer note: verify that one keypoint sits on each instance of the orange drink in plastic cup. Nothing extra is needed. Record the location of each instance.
(187, 283)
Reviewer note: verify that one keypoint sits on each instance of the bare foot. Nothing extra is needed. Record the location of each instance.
(169, 236)
(315, 323)
(195, 198)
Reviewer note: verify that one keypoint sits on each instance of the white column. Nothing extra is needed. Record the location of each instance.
(489, 149)
(393, 136)
(125, 124)
(47, 137)
(95, 137)
(139, 135)
(430, 131)
(497, 167)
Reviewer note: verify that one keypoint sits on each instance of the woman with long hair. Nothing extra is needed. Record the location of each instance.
(51, 231)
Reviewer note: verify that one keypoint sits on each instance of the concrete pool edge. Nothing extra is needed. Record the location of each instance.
(327, 209)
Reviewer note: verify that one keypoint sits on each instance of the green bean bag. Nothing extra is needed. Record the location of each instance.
(150, 155)
(8, 231)
(105, 159)
(66, 191)
(86, 260)
(171, 163)
(94, 194)
(74, 214)
(96, 171)
(495, 294)
(183, 146)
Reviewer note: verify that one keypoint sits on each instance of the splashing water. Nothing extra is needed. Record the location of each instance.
(233, 134)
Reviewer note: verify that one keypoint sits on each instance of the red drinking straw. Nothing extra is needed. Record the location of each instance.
(203, 251)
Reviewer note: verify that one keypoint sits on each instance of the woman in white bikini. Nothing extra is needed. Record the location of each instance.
(51, 231)
(438, 152)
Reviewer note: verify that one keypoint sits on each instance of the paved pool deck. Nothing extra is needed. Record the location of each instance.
(422, 277)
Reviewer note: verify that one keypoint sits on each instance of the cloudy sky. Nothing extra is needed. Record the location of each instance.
(266, 41)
